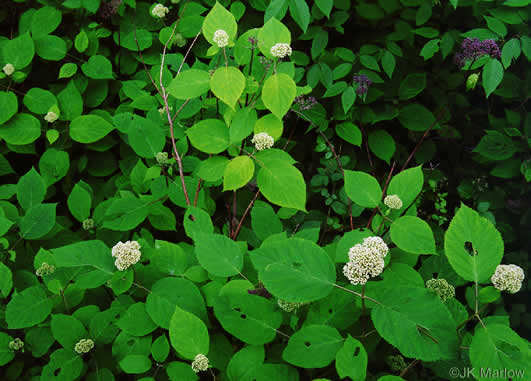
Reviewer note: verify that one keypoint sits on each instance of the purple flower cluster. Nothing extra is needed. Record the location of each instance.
(363, 83)
(472, 48)
(305, 103)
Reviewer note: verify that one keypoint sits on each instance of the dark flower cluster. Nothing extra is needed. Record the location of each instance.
(472, 48)
(305, 103)
(363, 83)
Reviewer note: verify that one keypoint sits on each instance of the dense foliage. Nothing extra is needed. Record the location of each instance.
(264, 189)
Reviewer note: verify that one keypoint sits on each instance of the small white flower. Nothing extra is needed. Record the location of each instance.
(159, 11)
(393, 201)
(126, 254)
(84, 346)
(200, 363)
(376, 244)
(51, 117)
(281, 50)
(262, 141)
(9, 69)
(221, 38)
(508, 278)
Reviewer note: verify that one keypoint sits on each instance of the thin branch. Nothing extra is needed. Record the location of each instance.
(413, 363)
(357, 293)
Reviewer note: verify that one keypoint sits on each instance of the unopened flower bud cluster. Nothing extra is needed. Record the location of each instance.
(281, 50)
(262, 141)
(126, 254)
(508, 278)
(51, 117)
(393, 202)
(396, 363)
(16, 344)
(162, 157)
(8, 69)
(366, 260)
(442, 288)
(45, 269)
(289, 306)
(221, 38)
(84, 346)
(88, 224)
(160, 11)
(200, 363)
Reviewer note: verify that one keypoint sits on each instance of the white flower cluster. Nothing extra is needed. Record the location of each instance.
(289, 306)
(262, 141)
(442, 288)
(45, 269)
(8, 69)
(126, 254)
(281, 50)
(221, 38)
(365, 260)
(16, 344)
(159, 11)
(162, 158)
(84, 346)
(200, 363)
(393, 202)
(508, 278)
(51, 117)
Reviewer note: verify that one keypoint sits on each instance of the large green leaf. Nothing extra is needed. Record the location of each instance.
(416, 322)
(44, 21)
(416, 117)
(351, 360)
(479, 260)
(227, 83)
(136, 321)
(67, 330)
(300, 12)
(363, 189)
(6, 353)
(242, 124)
(19, 51)
(218, 254)
(190, 84)
(407, 185)
(97, 67)
(278, 94)
(238, 368)
(31, 189)
(79, 202)
(188, 334)
(313, 346)
(28, 308)
(413, 235)
(89, 128)
(21, 129)
(135, 364)
(146, 138)
(219, 19)
(350, 133)
(295, 270)
(8, 106)
(273, 32)
(38, 221)
(412, 85)
(264, 220)
(209, 135)
(492, 75)
(126, 213)
(382, 144)
(238, 172)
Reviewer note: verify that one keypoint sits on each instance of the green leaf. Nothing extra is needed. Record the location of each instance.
(427, 333)
(348, 98)
(313, 346)
(295, 270)
(511, 50)
(135, 364)
(89, 128)
(496, 146)
(388, 63)
(67, 70)
(97, 67)
(413, 235)
(242, 124)
(325, 6)
(282, 184)
(492, 75)
(7, 354)
(126, 213)
(169, 258)
(39, 101)
(70, 102)
(67, 330)
(197, 221)
(369, 62)
(81, 42)
(416, 117)
(21, 129)
(238, 368)
(273, 32)
(8, 106)
(227, 84)
(189, 84)
(28, 308)
(363, 189)
(38, 221)
(31, 189)
(80, 202)
(19, 51)
(351, 360)
(44, 21)
(496, 349)
(407, 185)
(64, 365)
(382, 144)
(51, 48)
(188, 334)
(271, 124)
(300, 12)
(6, 280)
(219, 18)
(209, 135)
(496, 26)
(160, 349)
(218, 254)
(350, 133)
(264, 220)
(250, 318)
(478, 262)
(278, 94)
(412, 85)
(181, 371)
(135, 321)
(146, 137)
(238, 173)
(277, 9)
(430, 48)
(212, 169)
(54, 165)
